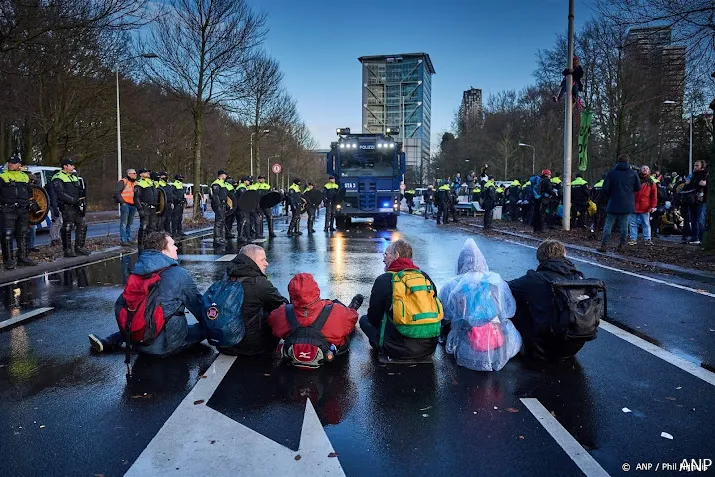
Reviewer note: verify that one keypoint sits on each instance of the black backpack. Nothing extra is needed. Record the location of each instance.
(579, 307)
(306, 346)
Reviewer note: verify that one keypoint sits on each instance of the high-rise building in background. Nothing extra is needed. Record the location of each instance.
(397, 92)
(470, 111)
(650, 51)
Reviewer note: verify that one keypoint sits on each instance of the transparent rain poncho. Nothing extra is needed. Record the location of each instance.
(478, 303)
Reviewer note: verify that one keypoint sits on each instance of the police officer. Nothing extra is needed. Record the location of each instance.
(263, 189)
(444, 198)
(70, 196)
(254, 215)
(579, 201)
(310, 207)
(330, 193)
(410, 199)
(513, 192)
(230, 211)
(146, 199)
(295, 200)
(555, 199)
(163, 222)
(16, 203)
(179, 202)
(241, 216)
(218, 204)
(488, 202)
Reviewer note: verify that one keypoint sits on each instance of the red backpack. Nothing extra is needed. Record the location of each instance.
(140, 317)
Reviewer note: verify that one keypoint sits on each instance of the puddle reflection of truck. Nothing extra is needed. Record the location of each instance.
(370, 167)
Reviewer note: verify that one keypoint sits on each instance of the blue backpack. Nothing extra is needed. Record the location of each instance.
(535, 180)
(223, 321)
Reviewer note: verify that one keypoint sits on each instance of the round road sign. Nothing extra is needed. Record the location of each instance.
(276, 168)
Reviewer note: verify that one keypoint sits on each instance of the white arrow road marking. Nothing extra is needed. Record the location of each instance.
(227, 258)
(197, 440)
(23, 317)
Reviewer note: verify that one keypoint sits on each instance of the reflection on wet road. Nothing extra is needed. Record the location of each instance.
(66, 411)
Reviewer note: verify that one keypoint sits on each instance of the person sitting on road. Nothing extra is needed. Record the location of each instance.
(260, 298)
(477, 308)
(535, 303)
(306, 308)
(175, 293)
(412, 332)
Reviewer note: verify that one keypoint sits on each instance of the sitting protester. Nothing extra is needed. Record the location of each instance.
(557, 309)
(477, 308)
(159, 326)
(408, 330)
(313, 331)
(260, 298)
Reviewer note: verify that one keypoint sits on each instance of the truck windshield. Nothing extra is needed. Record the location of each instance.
(366, 163)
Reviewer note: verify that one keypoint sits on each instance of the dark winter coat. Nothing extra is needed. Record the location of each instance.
(619, 187)
(535, 307)
(260, 297)
(395, 344)
(307, 305)
(177, 292)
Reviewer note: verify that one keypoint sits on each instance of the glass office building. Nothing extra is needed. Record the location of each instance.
(397, 92)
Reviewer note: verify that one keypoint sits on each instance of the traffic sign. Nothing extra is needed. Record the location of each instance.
(276, 168)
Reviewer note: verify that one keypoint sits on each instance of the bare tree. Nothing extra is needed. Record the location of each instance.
(260, 96)
(202, 47)
(24, 22)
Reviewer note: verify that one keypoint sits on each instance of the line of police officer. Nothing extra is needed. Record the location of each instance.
(226, 194)
(147, 202)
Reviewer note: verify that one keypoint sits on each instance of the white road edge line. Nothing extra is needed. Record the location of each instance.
(687, 366)
(633, 274)
(575, 451)
(24, 316)
(227, 258)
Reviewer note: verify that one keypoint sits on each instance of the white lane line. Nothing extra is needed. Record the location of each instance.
(197, 440)
(227, 258)
(23, 317)
(633, 274)
(575, 451)
(687, 366)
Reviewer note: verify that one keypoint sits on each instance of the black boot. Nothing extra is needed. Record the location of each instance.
(7, 253)
(80, 238)
(22, 254)
(140, 239)
(67, 243)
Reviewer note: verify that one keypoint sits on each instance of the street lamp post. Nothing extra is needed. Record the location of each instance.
(119, 128)
(264, 131)
(268, 170)
(533, 158)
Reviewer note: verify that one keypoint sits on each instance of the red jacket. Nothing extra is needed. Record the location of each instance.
(305, 297)
(646, 197)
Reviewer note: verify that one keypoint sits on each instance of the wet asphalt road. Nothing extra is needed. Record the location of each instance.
(382, 420)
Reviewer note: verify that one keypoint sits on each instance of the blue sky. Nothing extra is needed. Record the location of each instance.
(486, 44)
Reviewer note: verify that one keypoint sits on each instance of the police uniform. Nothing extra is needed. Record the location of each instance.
(554, 201)
(488, 202)
(241, 216)
(513, 193)
(253, 217)
(330, 193)
(163, 222)
(310, 208)
(15, 201)
(146, 200)
(444, 198)
(579, 201)
(230, 212)
(218, 204)
(411, 200)
(263, 189)
(70, 195)
(295, 199)
(179, 201)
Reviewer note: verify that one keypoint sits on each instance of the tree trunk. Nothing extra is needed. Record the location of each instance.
(26, 143)
(198, 136)
(52, 148)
